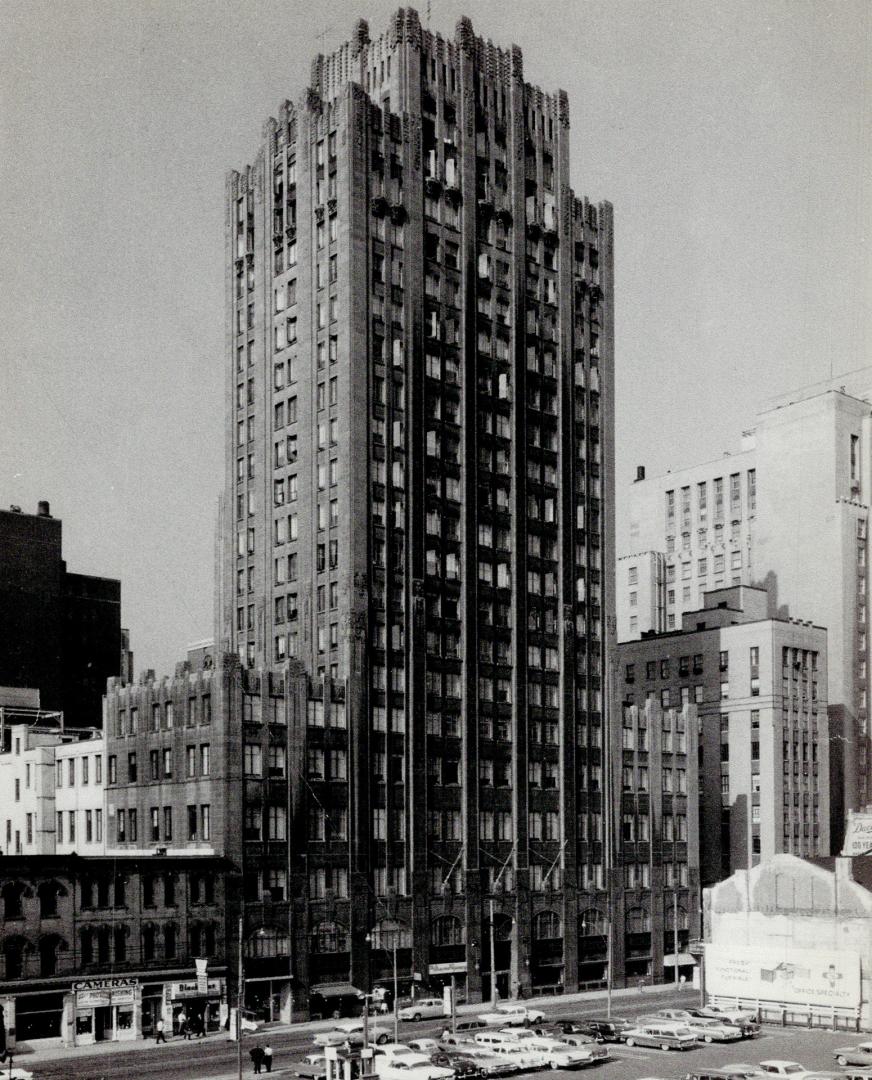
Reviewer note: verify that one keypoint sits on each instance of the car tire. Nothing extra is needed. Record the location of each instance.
(664, 1046)
(381, 1040)
(630, 1042)
(707, 1038)
(842, 1060)
(417, 1018)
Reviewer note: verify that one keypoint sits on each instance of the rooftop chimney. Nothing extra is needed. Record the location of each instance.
(640, 473)
(42, 508)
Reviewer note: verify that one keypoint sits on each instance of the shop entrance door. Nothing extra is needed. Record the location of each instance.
(103, 1023)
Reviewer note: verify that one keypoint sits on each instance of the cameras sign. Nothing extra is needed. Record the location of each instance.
(791, 976)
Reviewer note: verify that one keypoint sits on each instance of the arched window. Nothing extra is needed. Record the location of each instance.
(49, 947)
(268, 941)
(638, 921)
(13, 895)
(208, 940)
(592, 923)
(48, 893)
(447, 930)
(14, 951)
(670, 918)
(390, 934)
(329, 937)
(546, 925)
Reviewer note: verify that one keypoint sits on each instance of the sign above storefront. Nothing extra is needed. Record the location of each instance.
(791, 976)
(448, 969)
(213, 988)
(104, 984)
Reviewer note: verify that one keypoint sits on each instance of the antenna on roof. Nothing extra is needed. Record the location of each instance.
(323, 35)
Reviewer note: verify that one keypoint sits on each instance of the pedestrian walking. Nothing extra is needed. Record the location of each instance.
(267, 1057)
(159, 1036)
(256, 1055)
(183, 1024)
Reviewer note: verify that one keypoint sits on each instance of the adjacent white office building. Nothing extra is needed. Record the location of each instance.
(789, 511)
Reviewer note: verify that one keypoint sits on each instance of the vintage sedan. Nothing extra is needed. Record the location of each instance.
(512, 1014)
(714, 1030)
(861, 1054)
(665, 1036)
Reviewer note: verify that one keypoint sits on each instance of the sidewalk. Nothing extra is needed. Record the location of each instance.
(27, 1057)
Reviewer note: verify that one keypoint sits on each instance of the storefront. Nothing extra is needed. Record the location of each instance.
(197, 1003)
(103, 1010)
(451, 974)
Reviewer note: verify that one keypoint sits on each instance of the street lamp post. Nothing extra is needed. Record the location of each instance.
(395, 931)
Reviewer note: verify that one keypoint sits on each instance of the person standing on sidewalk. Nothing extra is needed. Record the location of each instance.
(267, 1057)
(256, 1055)
(159, 1037)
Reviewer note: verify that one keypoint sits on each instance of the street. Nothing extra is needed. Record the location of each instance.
(216, 1057)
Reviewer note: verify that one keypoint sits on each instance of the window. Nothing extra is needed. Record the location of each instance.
(168, 823)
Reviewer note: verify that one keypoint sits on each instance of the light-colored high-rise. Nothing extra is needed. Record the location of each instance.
(788, 512)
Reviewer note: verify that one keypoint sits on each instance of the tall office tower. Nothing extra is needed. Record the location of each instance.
(789, 512)
(418, 502)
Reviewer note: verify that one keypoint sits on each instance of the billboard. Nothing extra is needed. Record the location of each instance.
(784, 974)
(858, 834)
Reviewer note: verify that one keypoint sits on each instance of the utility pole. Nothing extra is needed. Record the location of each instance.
(493, 956)
(396, 994)
(453, 1006)
(675, 928)
(240, 993)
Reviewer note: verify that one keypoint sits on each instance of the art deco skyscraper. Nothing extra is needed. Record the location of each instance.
(419, 508)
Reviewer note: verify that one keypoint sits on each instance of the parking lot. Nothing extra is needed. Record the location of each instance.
(813, 1049)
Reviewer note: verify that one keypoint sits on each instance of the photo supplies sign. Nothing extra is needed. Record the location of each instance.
(792, 976)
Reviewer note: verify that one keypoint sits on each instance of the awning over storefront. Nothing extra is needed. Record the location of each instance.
(684, 960)
(340, 989)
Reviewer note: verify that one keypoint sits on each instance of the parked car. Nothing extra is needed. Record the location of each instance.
(561, 1025)
(675, 1014)
(464, 1065)
(861, 1054)
(562, 1054)
(401, 1063)
(605, 1029)
(423, 1046)
(490, 1063)
(598, 1051)
(664, 1035)
(469, 1026)
(723, 1012)
(776, 1067)
(422, 1009)
(746, 1022)
(714, 1030)
(351, 1032)
(512, 1014)
(726, 1072)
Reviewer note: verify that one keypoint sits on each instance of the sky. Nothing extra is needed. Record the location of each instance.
(733, 138)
